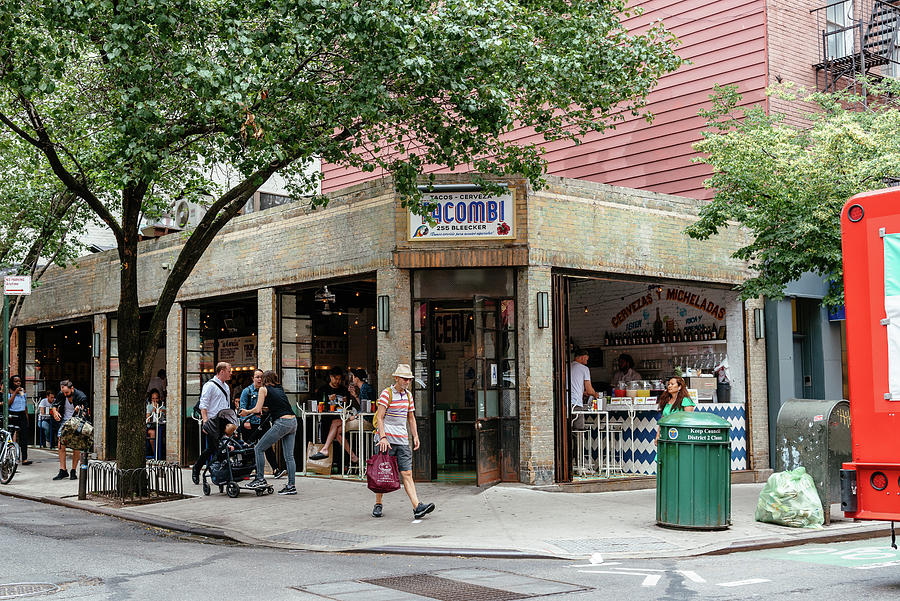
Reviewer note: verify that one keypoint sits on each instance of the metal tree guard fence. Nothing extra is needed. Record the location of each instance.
(157, 481)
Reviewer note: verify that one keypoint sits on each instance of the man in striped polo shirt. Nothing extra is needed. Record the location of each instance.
(395, 411)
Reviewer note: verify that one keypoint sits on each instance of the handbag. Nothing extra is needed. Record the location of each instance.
(317, 466)
(382, 474)
(77, 433)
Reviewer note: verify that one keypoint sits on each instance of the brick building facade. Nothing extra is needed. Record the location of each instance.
(262, 271)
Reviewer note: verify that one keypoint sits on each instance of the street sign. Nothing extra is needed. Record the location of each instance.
(15, 285)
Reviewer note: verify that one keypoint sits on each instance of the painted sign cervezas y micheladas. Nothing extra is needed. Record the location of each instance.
(465, 215)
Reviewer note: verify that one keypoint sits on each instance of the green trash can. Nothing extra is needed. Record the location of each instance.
(693, 471)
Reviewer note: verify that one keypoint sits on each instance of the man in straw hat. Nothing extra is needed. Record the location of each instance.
(395, 411)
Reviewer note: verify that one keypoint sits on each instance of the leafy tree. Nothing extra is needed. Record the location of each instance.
(130, 102)
(787, 183)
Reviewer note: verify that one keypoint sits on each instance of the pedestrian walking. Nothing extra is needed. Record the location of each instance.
(255, 427)
(284, 428)
(395, 419)
(70, 399)
(215, 412)
(18, 416)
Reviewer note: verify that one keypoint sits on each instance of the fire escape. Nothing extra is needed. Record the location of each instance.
(857, 39)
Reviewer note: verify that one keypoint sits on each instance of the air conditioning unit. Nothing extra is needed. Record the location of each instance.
(188, 214)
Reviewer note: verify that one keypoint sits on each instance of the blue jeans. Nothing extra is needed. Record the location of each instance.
(46, 432)
(284, 430)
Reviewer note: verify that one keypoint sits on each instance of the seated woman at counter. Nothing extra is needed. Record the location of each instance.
(675, 398)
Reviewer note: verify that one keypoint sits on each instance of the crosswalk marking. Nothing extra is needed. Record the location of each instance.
(745, 582)
(691, 575)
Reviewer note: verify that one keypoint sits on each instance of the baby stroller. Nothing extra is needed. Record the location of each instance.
(228, 466)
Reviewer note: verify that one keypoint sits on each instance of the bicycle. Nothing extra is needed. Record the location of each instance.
(9, 456)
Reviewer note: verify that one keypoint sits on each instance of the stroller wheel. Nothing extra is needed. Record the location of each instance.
(206, 488)
(270, 490)
(232, 490)
(260, 492)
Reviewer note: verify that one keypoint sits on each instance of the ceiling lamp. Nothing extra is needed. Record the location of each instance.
(326, 297)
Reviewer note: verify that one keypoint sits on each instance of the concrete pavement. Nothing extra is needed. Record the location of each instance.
(503, 520)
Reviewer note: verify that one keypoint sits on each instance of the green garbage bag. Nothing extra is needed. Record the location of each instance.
(790, 499)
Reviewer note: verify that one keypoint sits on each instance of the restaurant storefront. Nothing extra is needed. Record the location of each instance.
(485, 301)
(637, 334)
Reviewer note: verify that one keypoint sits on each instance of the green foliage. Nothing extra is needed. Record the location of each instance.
(132, 104)
(787, 182)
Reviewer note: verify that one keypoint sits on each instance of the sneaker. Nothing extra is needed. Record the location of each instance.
(62, 475)
(422, 510)
(288, 490)
(73, 475)
(377, 511)
(26, 462)
(279, 474)
(318, 456)
(258, 483)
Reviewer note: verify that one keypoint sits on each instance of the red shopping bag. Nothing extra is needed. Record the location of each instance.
(382, 474)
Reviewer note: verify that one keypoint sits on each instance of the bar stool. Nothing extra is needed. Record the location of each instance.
(368, 444)
(583, 461)
(616, 451)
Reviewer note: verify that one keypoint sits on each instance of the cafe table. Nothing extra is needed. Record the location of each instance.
(343, 416)
(605, 415)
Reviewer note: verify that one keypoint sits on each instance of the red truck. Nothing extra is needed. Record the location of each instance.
(870, 239)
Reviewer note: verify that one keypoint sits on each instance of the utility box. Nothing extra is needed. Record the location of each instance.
(693, 471)
(815, 434)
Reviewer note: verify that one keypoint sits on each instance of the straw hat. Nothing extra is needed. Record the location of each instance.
(403, 371)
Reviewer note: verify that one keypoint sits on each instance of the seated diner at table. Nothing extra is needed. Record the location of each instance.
(336, 398)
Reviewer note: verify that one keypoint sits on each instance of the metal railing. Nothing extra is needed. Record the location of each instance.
(157, 481)
(857, 37)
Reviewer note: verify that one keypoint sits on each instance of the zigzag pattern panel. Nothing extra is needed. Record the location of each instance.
(641, 457)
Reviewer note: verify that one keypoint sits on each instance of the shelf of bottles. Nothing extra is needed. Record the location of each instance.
(690, 335)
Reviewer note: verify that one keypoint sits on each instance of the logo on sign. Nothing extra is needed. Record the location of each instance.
(673, 433)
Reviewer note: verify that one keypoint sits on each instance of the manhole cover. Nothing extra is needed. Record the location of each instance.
(444, 589)
(26, 589)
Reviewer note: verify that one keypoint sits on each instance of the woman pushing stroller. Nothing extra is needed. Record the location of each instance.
(284, 428)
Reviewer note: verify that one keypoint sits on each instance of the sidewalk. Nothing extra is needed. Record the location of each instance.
(504, 520)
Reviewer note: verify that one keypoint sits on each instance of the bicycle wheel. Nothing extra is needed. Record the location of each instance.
(9, 464)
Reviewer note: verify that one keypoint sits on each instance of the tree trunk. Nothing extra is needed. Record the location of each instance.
(132, 379)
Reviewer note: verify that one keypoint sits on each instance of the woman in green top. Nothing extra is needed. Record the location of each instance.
(675, 397)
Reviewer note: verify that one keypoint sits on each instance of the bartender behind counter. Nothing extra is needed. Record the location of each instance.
(625, 372)
(580, 377)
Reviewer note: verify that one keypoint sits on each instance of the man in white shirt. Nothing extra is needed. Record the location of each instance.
(216, 412)
(580, 382)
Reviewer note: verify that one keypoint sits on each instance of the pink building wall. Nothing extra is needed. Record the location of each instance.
(725, 40)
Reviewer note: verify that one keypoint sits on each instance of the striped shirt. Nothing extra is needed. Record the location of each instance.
(397, 406)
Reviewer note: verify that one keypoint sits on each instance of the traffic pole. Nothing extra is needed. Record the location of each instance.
(5, 360)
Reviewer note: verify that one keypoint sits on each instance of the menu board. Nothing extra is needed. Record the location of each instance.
(239, 351)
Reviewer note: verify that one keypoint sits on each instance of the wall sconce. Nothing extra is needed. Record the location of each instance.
(384, 313)
(759, 325)
(543, 309)
(96, 347)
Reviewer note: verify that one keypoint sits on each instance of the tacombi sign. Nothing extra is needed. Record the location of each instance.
(465, 215)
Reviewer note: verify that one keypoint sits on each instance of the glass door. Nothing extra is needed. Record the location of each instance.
(488, 391)
(423, 394)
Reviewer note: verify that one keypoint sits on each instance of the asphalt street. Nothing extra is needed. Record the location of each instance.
(71, 554)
